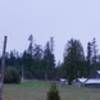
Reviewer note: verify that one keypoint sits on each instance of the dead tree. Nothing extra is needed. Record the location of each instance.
(2, 68)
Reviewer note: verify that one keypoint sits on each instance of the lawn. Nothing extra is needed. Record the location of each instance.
(38, 90)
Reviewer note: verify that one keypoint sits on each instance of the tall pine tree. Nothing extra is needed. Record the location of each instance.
(89, 59)
(49, 61)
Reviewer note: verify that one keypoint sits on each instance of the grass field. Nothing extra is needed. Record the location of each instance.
(38, 90)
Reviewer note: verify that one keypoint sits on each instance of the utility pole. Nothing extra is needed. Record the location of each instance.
(2, 68)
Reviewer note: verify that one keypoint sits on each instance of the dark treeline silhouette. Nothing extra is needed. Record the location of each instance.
(76, 64)
(37, 62)
(34, 63)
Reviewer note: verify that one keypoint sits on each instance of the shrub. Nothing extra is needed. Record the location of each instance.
(53, 93)
(11, 75)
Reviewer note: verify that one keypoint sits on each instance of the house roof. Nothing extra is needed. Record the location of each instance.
(63, 80)
(82, 80)
(98, 71)
(89, 81)
(94, 81)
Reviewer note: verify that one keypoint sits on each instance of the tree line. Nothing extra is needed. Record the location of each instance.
(76, 64)
(39, 63)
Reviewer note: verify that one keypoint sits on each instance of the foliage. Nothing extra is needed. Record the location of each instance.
(11, 75)
(27, 63)
(39, 63)
(49, 62)
(89, 58)
(73, 60)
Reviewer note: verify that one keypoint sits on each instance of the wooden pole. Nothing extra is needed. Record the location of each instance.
(2, 68)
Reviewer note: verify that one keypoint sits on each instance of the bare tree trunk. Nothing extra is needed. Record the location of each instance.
(2, 68)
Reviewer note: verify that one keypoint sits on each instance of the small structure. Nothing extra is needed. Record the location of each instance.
(80, 82)
(98, 74)
(63, 81)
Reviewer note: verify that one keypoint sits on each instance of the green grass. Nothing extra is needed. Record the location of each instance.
(34, 85)
(38, 90)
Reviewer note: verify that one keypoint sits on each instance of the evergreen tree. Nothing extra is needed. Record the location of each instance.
(30, 47)
(94, 51)
(73, 60)
(12, 59)
(53, 93)
(27, 63)
(94, 58)
(38, 67)
(49, 62)
(27, 59)
(89, 58)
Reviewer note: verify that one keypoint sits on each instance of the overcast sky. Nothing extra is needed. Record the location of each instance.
(63, 19)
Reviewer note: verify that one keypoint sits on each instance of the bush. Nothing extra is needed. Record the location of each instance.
(12, 75)
(53, 93)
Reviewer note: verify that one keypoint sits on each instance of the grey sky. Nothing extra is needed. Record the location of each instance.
(62, 19)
